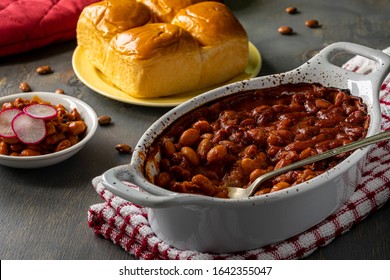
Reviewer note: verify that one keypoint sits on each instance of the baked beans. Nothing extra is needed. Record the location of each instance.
(63, 131)
(234, 140)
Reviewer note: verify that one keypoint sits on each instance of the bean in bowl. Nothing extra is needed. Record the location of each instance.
(234, 140)
(33, 127)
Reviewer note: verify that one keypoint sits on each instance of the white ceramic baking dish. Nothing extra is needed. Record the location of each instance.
(207, 224)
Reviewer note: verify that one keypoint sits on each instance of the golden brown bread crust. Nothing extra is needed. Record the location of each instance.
(153, 40)
(101, 21)
(161, 59)
(165, 10)
(121, 15)
(146, 59)
(210, 23)
(223, 41)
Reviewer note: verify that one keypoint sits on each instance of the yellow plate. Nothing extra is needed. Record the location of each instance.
(95, 80)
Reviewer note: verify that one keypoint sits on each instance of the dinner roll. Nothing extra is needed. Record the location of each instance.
(223, 40)
(157, 59)
(157, 48)
(101, 21)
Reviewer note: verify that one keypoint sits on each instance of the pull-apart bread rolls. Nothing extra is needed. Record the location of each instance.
(201, 44)
(153, 60)
(100, 22)
(223, 42)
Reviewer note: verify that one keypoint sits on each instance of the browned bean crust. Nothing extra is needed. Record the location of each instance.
(234, 140)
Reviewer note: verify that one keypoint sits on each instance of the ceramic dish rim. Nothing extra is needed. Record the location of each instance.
(157, 128)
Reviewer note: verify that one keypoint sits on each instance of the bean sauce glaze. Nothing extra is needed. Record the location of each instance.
(64, 130)
(232, 141)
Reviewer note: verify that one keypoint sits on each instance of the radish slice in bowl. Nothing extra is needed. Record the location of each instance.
(6, 118)
(40, 111)
(29, 130)
(70, 103)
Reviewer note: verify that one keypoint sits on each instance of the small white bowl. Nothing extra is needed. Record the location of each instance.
(69, 102)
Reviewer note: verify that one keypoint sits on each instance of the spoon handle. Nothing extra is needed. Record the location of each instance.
(342, 149)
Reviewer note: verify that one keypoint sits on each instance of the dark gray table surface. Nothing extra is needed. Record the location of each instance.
(43, 212)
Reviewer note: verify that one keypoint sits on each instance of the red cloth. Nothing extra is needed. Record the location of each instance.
(127, 226)
(29, 24)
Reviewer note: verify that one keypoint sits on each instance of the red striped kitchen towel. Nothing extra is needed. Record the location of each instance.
(127, 226)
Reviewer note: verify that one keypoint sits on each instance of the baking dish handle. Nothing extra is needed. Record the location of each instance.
(327, 55)
(114, 178)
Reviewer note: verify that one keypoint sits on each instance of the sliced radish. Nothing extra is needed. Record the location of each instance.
(40, 111)
(6, 117)
(29, 130)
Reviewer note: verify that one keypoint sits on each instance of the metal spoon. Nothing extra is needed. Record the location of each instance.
(244, 193)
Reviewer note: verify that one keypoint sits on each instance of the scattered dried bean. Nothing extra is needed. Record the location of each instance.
(123, 148)
(25, 87)
(291, 10)
(285, 30)
(312, 23)
(104, 120)
(59, 91)
(42, 70)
